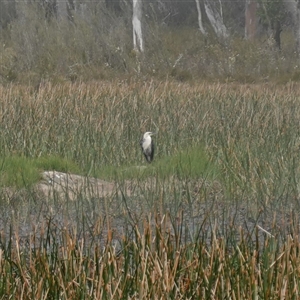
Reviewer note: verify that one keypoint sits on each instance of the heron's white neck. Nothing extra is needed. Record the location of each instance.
(147, 141)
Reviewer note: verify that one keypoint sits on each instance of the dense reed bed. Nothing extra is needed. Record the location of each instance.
(149, 264)
(214, 217)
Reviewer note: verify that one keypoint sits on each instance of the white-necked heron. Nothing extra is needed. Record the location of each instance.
(147, 145)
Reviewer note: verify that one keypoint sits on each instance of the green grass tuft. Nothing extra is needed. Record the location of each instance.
(56, 163)
(192, 163)
(189, 163)
(21, 171)
(18, 171)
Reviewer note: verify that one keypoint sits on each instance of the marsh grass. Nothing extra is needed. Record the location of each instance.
(150, 262)
(214, 216)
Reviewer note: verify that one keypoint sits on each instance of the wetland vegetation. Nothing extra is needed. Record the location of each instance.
(215, 216)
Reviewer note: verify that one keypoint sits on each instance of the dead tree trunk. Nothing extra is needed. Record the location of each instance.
(200, 23)
(215, 17)
(138, 43)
